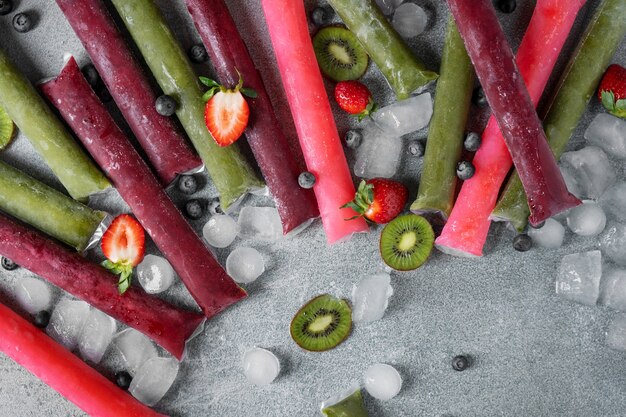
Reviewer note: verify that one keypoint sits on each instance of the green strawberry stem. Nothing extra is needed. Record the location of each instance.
(214, 87)
(363, 199)
(125, 272)
(371, 108)
(616, 107)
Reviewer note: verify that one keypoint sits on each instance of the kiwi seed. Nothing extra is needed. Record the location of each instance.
(339, 53)
(322, 323)
(406, 242)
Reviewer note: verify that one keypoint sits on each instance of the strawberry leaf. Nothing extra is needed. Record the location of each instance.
(248, 92)
(123, 283)
(209, 82)
(608, 100)
(620, 104)
(207, 96)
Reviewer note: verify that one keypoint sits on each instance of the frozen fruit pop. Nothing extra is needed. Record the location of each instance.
(404, 72)
(229, 55)
(313, 117)
(576, 87)
(165, 147)
(47, 209)
(167, 325)
(63, 371)
(468, 224)
(230, 171)
(203, 276)
(78, 174)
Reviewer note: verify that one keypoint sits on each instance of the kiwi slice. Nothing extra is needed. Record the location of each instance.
(339, 53)
(322, 323)
(406, 242)
(7, 129)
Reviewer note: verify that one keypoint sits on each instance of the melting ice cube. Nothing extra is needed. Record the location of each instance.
(379, 154)
(591, 169)
(371, 297)
(549, 236)
(570, 181)
(260, 223)
(613, 289)
(579, 275)
(613, 243)
(616, 334)
(135, 348)
(154, 379)
(96, 335)
(155, 274)
(409, 20)
(220, 231)
(33, 294)
(587, 219)
(382, 381)
(405, 116)
(260, 366)
(66, 322)
(245, 265)
(609, 133)
(614, 201)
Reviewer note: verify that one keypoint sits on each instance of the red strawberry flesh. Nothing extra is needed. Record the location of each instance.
(612, 90)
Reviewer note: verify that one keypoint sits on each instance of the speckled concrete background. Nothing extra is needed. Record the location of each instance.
(534, 354)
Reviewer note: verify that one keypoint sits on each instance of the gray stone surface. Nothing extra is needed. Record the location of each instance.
(534, 354)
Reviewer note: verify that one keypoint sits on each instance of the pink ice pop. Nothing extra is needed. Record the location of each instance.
(467, 227)
(310, 108)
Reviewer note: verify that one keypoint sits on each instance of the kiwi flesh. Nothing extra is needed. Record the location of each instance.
(7, 129)
(406, 242)
(322, 323)
(339, 53)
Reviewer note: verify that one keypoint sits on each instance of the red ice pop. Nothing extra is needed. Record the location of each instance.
(512, 107)
(167, 325)
(203, 276)
(128, 84)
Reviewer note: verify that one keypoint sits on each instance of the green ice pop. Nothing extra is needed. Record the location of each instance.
(404, 72)
(46, 209)
(576, 87)
(447, 127)
(78, 174)
(229, 170)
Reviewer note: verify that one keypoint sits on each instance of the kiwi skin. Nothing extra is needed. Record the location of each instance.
(307, 313)
(345, 41)
(390, 237)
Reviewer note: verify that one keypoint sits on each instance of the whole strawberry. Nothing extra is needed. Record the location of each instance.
(379, 200)
(354, 98)
(612, 91)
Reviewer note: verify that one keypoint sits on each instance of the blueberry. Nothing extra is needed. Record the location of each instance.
(479, 97)
(416, 148)
(193, 209)
(165, 105)
(22, 22)
(306, 180)
(91, 75)
(214, 207)
(353, 139)
(460, 363)
(8, 264)
(322, 15)
(6, 7)
(465, 170)
(187, 184)
(42, 319)
(123, 379)
(197, 53)
(472, 142)
(522, 242)
(506, 6)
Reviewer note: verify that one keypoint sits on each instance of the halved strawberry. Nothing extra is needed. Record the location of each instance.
(612, 90)
(123, 244)
(226, 112)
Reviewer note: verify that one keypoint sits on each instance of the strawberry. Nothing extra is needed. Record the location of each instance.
(354, 98)
(612, 91)
(123, 244)
(379, 200)
(226, 112)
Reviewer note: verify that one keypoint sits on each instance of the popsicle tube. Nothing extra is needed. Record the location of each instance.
(593, 55)
(203, 276)
(78, 174)
(64, 372)
(165, 147)
(445, 135)
(229, 55)
(230, 171)
(167, 325)
(404, 72)
(313, 117)
(466, 230)
(46, 209)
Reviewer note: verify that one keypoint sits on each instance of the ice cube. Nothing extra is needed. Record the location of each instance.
(609, 133)
(135, 348)
(613, 289)
(570, 181)
(370, 298)
(96, 335)
(549, 236)
(155, 274)
(616, 334)
(220, 231)
(67, 322)
(587, 219)
(613, 243)
(591, 169)
(579, 275)
(379, 154)
(382, 381)
(260, 223)
(405, 116)
(260, 366)
(409, 20)
(153, 380)
(614, 201)
(245, 265)
(33, 294)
